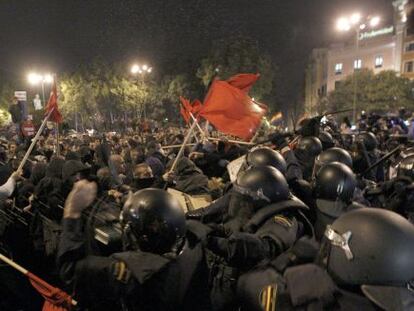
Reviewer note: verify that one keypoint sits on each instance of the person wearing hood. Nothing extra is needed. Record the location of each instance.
(189, 178)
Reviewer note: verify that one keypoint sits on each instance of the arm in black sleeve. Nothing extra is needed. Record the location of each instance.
(245, 250)
(93, 279)
(294, 170)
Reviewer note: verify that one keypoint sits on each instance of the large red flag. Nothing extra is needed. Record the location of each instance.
(231, 110)
(244, 81)
(53, 105)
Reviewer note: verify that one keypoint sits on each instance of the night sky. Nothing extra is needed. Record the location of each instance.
(172, 35)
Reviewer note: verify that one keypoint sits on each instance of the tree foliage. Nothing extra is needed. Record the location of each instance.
(239, 55)
(384, 91)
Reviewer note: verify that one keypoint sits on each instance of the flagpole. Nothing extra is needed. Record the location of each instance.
(27, 273)
(176, 146)
(203, 134)
(231, 141)
(57, 125)
(180, 153)
(34, 140)
(57, 140)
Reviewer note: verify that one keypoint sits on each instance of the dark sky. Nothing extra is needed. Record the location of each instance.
(172, 35)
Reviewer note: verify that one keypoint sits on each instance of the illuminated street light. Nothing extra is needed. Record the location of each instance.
(355, 18)
(343, 24)
(374, 22)
(137, 69)
(35, 79)
(358, 24)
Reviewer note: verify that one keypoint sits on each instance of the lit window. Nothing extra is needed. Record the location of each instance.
(409, 47)
(409, 66)
(358, 64)
(379, 61)
(338, 68)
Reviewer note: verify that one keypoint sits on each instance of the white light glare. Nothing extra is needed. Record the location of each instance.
(34, 78)
(375, 21)
(135, 69)
(355, 18)
(343, 24)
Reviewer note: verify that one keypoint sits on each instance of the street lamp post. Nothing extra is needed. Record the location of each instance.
(142, 71)
(357, 23)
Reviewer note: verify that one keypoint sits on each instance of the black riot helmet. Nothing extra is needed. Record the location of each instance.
(369, 140)
(310, 146)
(266, 156)
(153, 221)
(326, 140)
(374, 248)
(406, 167)
(334, 154)
(334, 188)
(264, 185)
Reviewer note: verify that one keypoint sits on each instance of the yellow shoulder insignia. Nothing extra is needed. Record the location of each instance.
(121, 272)
(284, 221)
(268, 297)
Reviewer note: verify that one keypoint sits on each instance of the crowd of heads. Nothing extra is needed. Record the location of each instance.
(352, 190)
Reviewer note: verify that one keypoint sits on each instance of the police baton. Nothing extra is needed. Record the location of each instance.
(381, 160)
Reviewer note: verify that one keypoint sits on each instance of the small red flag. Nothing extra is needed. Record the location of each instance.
(55, 298)
(244, 81)
(231, 110)
(185, 109)
(52, 104)
(196, 107)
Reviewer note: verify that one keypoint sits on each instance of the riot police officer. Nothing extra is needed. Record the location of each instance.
(162, 267)
(262, 220)
(259, 157)
(334, 188)
(364, 264)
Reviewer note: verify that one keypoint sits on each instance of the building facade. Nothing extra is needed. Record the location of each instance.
(388, 48)
(405, 18)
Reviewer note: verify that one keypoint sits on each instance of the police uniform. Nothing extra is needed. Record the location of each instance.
(303, 287)
(133, 280)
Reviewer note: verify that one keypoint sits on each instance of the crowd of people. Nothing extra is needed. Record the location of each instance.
(318, 219)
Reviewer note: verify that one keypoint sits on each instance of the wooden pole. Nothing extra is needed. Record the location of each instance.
(176, 146)
(34, 141)
(231, 141)
(180, 153)
(203, 134)
(57, 140)
(25, 272)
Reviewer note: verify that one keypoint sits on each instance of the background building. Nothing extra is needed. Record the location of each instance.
(405, 15)
(389, 47)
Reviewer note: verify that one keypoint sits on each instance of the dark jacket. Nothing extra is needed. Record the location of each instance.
(304, 288)
(137, 280)
(190, 179)
(16, 113)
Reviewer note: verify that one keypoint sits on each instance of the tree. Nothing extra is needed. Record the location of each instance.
(384, 91)
(77, 100)
(239, 55)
